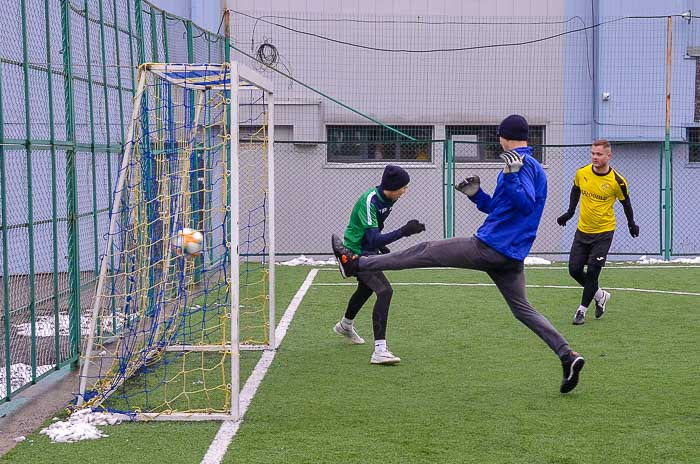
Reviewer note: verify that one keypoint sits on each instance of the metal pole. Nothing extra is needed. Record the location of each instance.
(73, 223)
(54, 222)
(5, 264)
(91, 113)
(234, 288)
(30, 189)
(449, 190)
(667, 142)
(271, 213)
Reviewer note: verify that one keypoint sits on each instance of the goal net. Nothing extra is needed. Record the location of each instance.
(167, 326)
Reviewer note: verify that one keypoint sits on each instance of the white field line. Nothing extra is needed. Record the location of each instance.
(546, 267)
(460, 284)
(228, 429)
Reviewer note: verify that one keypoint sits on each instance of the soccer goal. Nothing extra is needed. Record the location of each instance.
(169, 322)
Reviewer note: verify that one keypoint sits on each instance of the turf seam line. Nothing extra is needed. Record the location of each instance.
(228, 429)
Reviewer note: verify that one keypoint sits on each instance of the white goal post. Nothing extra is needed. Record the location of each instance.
(174, 321)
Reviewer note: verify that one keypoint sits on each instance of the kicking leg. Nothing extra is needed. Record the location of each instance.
(468, 253)
(512, 287)
(511, 284)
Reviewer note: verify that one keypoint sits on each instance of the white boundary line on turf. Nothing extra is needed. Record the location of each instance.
(458, 284)
(228, 429)
(547, 267)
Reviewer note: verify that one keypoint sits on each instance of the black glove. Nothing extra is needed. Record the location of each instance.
(384, 250)
(469, 186)
(561, 220)
(412, 227)
(634, 229)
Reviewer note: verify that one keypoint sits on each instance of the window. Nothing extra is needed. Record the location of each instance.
(357, 144)
(258, 133)
(694, 144)
(484, 146)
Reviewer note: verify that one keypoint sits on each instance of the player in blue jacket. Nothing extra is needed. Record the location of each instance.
(500, 244)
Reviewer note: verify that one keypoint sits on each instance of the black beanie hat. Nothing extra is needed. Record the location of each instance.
(514, 127)
(394, 178)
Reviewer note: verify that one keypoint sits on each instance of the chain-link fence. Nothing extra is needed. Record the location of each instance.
(67, 79)
(67, 72)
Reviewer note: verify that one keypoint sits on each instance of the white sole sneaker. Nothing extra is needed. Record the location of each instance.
(351, 334)
(600, 305)
(384, 357)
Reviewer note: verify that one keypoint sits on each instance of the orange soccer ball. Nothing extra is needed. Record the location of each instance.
(188, 242)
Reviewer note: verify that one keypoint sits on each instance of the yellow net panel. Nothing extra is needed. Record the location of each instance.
(162, 337)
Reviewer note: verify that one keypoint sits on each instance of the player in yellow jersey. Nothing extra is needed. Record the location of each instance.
(598, 185)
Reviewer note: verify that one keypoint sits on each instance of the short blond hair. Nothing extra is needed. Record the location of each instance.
(601, 143)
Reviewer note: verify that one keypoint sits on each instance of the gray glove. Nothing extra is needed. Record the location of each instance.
(469, 186)
(513, 161)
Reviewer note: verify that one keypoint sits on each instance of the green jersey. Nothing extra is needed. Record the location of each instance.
(369, 212)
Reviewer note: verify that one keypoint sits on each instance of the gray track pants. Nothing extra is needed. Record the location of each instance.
(472, 253)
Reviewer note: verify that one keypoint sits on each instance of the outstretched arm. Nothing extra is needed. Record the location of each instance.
(574, 196)
(377, 240)
(471, 187)
(482, 200)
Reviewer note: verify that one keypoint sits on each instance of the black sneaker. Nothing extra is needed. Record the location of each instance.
(572, 364)
(347, 260)
(600, 305)
(579, 317)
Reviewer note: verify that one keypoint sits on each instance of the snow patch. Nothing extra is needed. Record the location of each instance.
(81, 425)
(46, 327)
(645, 260)
(530, 260)
(304, 261)
(20, 375)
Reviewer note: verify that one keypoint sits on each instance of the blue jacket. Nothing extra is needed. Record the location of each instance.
(515, 209)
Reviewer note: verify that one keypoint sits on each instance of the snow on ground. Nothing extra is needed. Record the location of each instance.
(20, 374)
(304, 261)
(645, 260)
(45, 326)
(81, 425)
(530, 260)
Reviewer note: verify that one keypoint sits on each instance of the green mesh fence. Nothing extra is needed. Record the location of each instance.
(353, 93)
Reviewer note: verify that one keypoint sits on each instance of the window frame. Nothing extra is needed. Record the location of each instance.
(693, 138)
(372, 143)
(487, 142)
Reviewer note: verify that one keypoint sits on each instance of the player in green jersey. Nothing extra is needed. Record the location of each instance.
(364, 236)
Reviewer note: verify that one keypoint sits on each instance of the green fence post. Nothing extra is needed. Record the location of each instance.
(131, 43)
(166, 51)
(154, 35)
(30, 193)
(449, 190)
(140, 43)
(667, 139)
(54, 196)
(5, 264)
(91, 109)
(669, 202)
(661, 199)
(667, 199)
(72, 222)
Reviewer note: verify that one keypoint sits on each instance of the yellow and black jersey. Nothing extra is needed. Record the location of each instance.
(598, 195)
